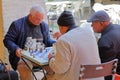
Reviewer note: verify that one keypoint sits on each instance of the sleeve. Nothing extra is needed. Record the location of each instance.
(10, 39)
(106, 49)
(47, 36)
(62, 61)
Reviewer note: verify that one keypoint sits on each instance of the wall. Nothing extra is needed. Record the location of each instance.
(2, 56)
(111, 2)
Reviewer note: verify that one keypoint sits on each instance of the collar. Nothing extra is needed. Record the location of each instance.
(71, 27)
(107, 29)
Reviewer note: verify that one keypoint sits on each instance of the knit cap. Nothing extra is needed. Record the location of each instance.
(66, 19)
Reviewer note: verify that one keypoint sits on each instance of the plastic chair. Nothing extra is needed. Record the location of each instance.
(85, 3)
(99, 70)
(81, 5)
(117, 77)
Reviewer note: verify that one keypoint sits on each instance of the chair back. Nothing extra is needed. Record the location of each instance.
(99, 70)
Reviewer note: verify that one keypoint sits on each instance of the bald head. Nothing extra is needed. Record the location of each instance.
(36, 15)
(36, 9)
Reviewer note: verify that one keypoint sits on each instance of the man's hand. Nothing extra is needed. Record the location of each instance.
(51, 55)
(56, 35)
(7, 67)
(18, 52)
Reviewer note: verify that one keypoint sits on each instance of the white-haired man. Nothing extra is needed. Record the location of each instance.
(15, 39)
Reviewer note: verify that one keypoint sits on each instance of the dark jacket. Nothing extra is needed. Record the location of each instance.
(109, 44)
(16, 37)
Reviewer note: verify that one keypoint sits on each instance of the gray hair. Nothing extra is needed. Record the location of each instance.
(35, 9)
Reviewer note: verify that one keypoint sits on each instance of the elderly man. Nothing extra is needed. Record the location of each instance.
(109, 42)
(29, 26)
(74, 47)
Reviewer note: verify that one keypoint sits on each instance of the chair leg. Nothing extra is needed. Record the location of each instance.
(82, 11)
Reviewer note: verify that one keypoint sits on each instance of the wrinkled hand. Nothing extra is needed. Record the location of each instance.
(51, 55)
(18, 52)
(56, 35)
(7, 67)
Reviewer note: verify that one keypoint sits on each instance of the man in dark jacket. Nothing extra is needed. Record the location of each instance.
(109, 42)
(15, 39)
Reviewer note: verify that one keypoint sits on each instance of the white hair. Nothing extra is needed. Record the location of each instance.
(35, 9)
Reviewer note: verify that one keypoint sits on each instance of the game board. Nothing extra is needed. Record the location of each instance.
(40, 58)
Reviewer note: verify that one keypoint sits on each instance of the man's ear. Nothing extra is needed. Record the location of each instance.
(65, 28)
(101, 23)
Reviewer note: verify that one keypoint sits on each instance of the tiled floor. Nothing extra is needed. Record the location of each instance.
(39, 75)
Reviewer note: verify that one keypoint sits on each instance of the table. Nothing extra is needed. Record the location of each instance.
(38, 57)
